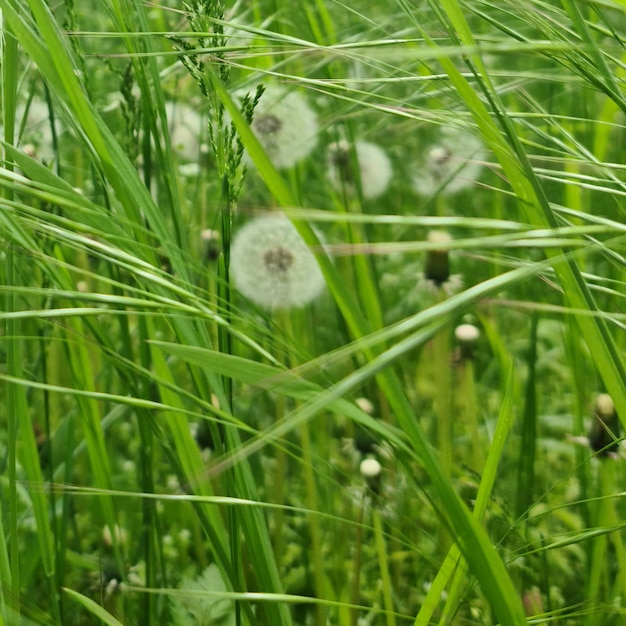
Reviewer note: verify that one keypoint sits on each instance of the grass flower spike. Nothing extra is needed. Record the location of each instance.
(285, 125)
(271, 265)
(450, 165)
(374, 167)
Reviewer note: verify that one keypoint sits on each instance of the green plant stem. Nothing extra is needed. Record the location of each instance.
(355, 587)
(280, 479)
(314, 525)
(443, 394)
(469, 413)
(10, 567)
(599, 557)
(312, 499)
(13, 407)
(383, 567)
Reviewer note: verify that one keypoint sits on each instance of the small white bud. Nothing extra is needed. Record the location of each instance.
(365, 405)
(466, 333)
(370, 468)
(604, 405)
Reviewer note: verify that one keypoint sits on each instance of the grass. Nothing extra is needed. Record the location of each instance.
(173, 453)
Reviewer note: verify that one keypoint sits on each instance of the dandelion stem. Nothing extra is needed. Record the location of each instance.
(441, 368)
(383, 567)
(355, 588)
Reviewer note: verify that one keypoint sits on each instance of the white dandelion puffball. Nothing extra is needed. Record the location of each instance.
(285, 125)
(374, 167)
(450, 165)
(272, 266)
(186, 130)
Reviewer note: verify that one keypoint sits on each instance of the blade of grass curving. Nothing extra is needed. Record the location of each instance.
(95, 609)
(472, 540)
(279, 381)
(252, 522)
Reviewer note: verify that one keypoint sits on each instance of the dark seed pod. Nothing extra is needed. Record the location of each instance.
(437, 265)
(605, 430)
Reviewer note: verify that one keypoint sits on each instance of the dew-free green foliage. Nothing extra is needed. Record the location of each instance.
(175, 452)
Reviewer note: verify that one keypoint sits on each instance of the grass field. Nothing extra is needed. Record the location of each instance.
(312, 313)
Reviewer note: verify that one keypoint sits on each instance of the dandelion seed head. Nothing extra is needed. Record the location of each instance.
(375, 169)
(267, 124)
(272, 266)
(450, 165)
(439, 156)
(278, 260)
(285, 125)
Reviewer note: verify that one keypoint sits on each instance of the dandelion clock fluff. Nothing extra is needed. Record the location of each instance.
(374, 167)
(450, 165)
(285, 125)
(272, 266)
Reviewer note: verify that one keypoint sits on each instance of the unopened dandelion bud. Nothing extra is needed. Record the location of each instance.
(604, 405)
(605, 429)
(211, 240)
(437, 266)
(370, 470)
(374, 167)
(466, 335)
(365, 405)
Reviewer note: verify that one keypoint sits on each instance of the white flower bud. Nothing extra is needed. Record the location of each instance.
(370, 468)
